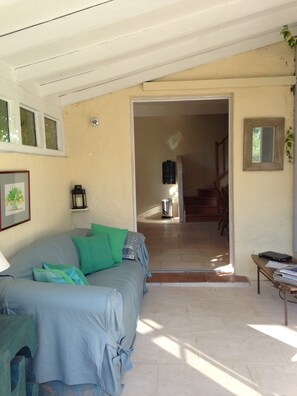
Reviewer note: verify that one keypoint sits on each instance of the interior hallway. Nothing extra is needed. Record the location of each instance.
(214, 341)
(175, 246)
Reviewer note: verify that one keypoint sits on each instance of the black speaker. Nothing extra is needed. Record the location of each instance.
(168, 172)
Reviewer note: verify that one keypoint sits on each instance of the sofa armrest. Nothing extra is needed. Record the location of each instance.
(135, 249)
(74, 324)
(23, 296)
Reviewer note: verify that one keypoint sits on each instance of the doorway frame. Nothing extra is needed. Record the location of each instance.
(177, 98)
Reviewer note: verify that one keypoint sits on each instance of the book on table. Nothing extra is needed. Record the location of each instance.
(284, 279)
(289, 269)
(287, 274)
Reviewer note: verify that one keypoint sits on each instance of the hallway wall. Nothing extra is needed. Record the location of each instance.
(164, 138)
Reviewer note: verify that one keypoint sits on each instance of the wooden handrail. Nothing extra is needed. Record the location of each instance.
(180, 171)
(221, 156)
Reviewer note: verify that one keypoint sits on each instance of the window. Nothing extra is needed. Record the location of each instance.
(28, 127)
(4, 122)
(51, 138)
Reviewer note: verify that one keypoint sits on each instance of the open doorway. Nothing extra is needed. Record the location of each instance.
(186, 132)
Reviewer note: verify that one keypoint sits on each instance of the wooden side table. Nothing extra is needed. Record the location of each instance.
(17, 341)
(268, 273)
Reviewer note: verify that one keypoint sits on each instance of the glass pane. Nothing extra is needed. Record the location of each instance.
(4, 124)
(51, 133)
(268, 134)
(263, 144)
(28, 127)
(256, 145)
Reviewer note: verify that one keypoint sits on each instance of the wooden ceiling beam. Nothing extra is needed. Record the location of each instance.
(76, 23)
(157, 56)
(84, 60)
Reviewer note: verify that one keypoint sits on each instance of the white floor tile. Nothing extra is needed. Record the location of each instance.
(274, 380)
(214, 341)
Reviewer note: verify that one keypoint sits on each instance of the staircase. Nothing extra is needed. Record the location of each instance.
(203, 207)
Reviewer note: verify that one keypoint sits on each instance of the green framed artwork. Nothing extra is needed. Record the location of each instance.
(14, 198)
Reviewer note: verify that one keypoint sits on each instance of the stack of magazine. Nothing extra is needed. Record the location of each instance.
(287, 274)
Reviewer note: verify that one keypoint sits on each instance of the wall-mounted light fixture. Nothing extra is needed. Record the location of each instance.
(94, 121)
(79, 199)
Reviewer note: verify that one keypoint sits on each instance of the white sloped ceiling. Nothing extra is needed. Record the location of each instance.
(84, 48)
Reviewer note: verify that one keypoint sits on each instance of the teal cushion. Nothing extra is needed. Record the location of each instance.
(51, 276)
(116, 236)
(73, 272)
(94, 253)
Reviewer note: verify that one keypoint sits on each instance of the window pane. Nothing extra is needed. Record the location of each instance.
(51, 133)
(28, 127)
(256, 148)
(4, 125)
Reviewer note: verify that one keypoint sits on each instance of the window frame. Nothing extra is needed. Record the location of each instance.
(15, 132)
(9, 121)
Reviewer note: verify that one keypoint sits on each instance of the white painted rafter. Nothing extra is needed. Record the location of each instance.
(39, 14)
(178, 30)
(77, 48)
(107, 13)
(162, 71)
(163, 54)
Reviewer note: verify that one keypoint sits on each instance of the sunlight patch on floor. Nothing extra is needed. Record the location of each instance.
(169, 345)
(199, 361)
(280, 333)
(147, 326)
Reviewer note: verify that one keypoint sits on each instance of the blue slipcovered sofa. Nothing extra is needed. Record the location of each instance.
(85, 333)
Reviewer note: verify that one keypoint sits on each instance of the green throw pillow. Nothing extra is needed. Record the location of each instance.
(51, 276)
(94, 253)
(73, 272)
(116, 236)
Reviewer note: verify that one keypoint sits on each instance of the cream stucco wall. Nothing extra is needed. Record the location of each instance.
(50, 199)
(261, 202)
(49, 175)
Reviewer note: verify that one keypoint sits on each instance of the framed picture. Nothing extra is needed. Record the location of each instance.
(14, 198)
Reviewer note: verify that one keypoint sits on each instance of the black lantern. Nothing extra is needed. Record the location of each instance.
(79, 200)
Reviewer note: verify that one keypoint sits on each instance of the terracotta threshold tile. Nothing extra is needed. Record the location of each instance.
(193, 277)
(221, 277)
(177, 277)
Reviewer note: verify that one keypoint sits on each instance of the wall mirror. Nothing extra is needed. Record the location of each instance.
(263, 144)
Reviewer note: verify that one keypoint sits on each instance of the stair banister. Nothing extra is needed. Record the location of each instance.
(221, 157)
(181, 209)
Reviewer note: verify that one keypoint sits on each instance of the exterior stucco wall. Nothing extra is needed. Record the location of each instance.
(102, 158)
(49, 175)
(50, 199)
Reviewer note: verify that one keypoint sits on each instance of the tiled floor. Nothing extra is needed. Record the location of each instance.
(214, 341)
(176, 246)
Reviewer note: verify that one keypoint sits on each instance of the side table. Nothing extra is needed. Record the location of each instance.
(268, 273)
(17, 341)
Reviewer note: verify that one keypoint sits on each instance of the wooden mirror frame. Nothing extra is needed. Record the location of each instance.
(279, 141)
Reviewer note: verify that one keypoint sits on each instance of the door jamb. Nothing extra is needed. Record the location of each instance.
(230, 156)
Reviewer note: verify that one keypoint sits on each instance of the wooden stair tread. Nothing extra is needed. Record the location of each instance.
(202, 207)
